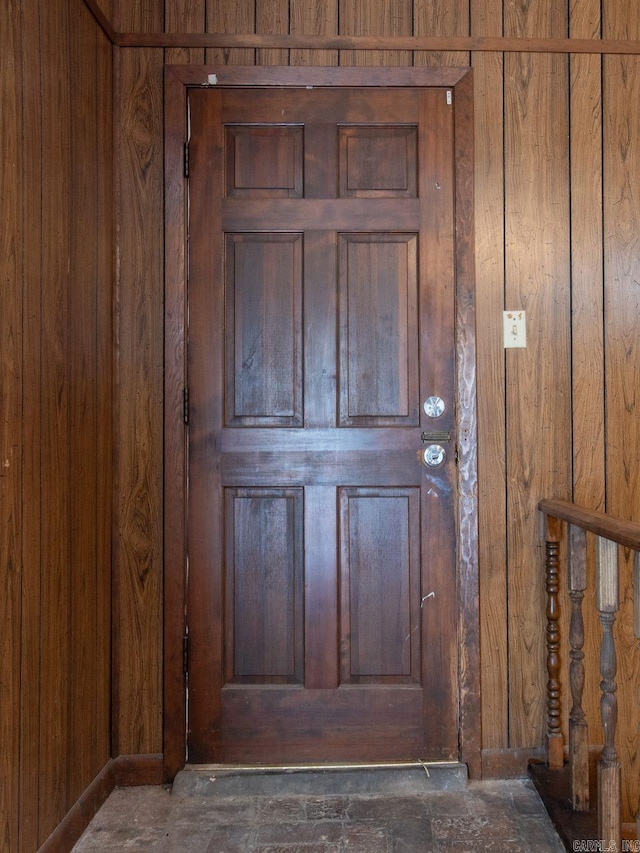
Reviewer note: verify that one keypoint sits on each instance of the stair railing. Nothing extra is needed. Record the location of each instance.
(609, 532)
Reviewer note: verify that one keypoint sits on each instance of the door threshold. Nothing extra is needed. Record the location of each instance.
(397, 777)
(301, 768)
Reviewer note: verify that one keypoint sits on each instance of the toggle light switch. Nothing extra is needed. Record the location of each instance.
(515, 330)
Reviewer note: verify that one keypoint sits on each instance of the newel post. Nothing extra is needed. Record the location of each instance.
(555, 746)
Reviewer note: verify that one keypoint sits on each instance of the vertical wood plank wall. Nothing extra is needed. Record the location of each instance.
(56, 292)
(621, 227)
(555, 172)
(537, 279)
(139, 379)
(557, 202)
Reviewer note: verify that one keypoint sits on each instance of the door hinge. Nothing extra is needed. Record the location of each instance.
(185, 405)
(449, 97)
(186, 159)
(185, 654)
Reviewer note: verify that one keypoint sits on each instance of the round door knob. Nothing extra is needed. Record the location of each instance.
(434, 455)
(434, 406)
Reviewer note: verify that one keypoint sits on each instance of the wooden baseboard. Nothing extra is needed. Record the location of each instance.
(554, 788)
(133, 770)
(122, 772)
(81, 813)
(508, 763)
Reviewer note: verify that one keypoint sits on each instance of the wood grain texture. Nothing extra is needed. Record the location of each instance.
(29, 640)
(60, 645)
(587, 289)
(386, 17)
(587, 264)
(282, 75)
(441, 18)
(55, 413)
(264, 624)
(595, 295)
(102, 15)
(137, 722)
(11, 437)
(105, 290)
(200, 316)
(554, 737)
(203, 320)
(604, 594)
(188, 16)
(535, 25)
(578, 733)
(139, 323)
(380, 608)
(466, 394)
(488, 71)
(237, 17)
(174, 723)
(83, 400)
(272, 16)
(445, 44)
(621, 211)
(310, 17)
(627, 533)
(76, 820)
(538, 377)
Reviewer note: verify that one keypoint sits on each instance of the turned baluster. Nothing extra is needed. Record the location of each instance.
(553, 534)
(578, 733)
(609, 820)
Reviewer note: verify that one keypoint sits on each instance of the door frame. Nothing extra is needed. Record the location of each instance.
(178, 80)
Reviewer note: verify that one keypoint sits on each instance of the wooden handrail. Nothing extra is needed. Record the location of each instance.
(625, 533)
(610, 533)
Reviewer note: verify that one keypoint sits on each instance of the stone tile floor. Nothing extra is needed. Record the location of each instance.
(505, 816)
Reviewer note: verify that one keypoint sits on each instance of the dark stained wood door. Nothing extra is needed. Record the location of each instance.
(322, 611)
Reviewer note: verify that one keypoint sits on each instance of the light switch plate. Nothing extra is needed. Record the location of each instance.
(515, 330)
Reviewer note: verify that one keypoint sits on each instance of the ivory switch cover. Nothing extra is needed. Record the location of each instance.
(515, 330)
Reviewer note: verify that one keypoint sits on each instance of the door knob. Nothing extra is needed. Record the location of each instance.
(434, 455)
(434, 406)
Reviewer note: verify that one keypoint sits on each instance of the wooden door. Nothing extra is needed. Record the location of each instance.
(321, 610)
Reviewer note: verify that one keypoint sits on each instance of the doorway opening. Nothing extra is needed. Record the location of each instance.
(324, 485)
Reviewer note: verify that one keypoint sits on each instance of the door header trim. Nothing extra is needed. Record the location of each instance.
(276, 75)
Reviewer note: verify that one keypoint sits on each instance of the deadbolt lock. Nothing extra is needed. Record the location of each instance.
(434, 455)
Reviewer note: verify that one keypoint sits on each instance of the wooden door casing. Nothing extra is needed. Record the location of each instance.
(179, 81)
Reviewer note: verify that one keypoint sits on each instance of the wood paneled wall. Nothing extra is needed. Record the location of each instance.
(557, 204)
(621, 232)
(56, 275)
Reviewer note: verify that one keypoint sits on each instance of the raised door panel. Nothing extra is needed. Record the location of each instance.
(379, 382)
(378, 162)
(264, 161)
(264, 586)
(263, 306)
(380, 584)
